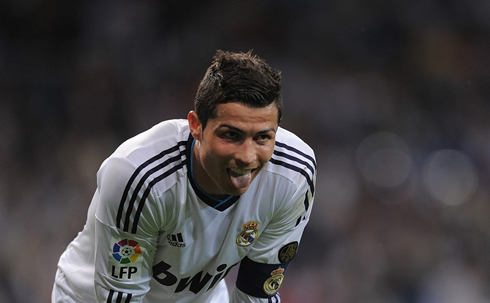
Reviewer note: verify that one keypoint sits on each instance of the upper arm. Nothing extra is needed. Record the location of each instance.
(126, 233)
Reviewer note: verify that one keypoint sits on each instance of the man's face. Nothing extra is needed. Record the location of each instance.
(233, 148)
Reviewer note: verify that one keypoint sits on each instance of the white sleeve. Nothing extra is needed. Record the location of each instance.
(262, 271)
(126, 235)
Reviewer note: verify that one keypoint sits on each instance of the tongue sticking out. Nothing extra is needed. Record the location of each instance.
(240, 180)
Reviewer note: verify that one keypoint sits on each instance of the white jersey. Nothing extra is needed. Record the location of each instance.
(152, 235)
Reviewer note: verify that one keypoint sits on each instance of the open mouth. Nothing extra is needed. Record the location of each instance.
(240, 171)
(240, 178)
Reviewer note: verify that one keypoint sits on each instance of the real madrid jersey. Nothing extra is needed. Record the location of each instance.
(152, 235)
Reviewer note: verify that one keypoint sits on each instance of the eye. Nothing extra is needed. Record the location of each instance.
(262, 138)
(231, 135)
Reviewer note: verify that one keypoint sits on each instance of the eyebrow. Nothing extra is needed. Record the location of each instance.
(239, 130)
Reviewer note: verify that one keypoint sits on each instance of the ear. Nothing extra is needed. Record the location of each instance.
(194, 125)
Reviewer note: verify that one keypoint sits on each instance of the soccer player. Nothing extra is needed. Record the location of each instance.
(177, 206)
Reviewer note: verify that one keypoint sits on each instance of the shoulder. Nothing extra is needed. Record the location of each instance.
(290, 141)
(149, 155)
(163, 135)
(293, 159)
(292, 153)
(140, 170)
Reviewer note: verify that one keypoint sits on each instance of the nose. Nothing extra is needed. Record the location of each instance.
(246, 153)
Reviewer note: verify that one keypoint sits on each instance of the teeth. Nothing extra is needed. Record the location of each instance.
(240, 171)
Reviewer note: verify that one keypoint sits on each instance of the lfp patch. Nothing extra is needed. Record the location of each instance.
(126, 251)
(125, 263)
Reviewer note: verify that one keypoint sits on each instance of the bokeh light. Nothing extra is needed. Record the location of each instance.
(384, 159)
(450, 176)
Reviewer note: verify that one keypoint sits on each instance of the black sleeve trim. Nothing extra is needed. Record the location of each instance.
(260, 280)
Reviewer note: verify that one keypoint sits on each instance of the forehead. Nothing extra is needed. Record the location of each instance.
(238, 113)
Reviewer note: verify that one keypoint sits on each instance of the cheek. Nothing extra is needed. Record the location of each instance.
(269, 150)
(217, 155)
(265, 154)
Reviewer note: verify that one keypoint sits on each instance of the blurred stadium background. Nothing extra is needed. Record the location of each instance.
(393, 96)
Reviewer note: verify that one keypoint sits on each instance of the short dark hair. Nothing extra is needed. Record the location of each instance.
(237, 77)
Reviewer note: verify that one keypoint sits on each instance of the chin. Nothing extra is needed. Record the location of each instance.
(237, 191)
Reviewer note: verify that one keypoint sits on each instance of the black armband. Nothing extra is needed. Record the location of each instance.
(260, 280)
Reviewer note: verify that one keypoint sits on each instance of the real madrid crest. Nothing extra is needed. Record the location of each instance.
(249, 234)
(271, 285)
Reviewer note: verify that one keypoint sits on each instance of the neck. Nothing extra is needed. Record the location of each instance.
(199, 174)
